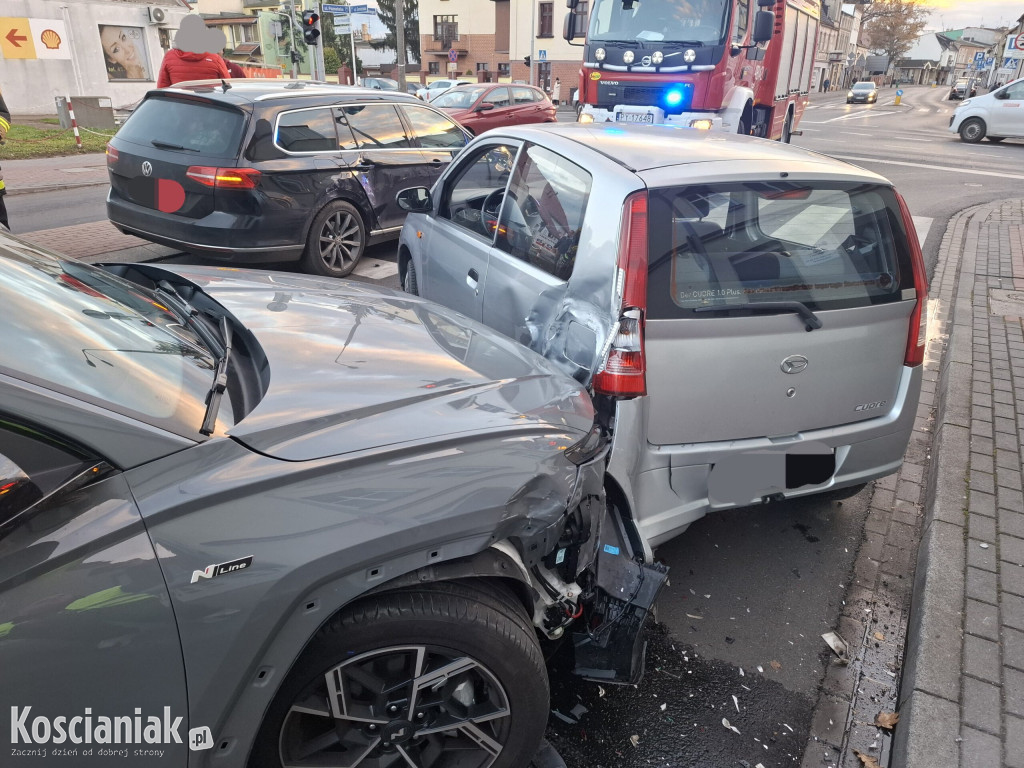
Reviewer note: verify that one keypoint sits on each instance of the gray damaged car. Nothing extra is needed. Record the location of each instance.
(257, 519)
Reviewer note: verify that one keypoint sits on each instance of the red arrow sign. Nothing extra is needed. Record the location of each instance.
(13, 38)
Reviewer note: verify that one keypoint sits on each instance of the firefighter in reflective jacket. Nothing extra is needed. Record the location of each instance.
(5, 124)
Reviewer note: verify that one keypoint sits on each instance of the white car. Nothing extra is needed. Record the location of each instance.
(437, 87)
(996, 116)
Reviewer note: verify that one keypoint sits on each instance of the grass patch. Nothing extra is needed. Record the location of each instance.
(24, 142)
(50, 120)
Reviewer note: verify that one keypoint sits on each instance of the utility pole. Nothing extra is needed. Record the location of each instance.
(291, 27)
(533, 41)
(400, 42)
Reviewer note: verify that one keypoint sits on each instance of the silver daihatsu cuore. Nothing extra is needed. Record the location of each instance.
(748, 316)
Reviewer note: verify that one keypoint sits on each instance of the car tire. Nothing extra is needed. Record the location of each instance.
(995, 139)
(972, 130)
(336, 241)
(409, 284)
(395, 642)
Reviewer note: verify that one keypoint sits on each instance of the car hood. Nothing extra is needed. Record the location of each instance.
(355, 367)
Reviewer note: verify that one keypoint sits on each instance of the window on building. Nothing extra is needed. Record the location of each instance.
(544, 75)
(547, 16)
(483, 66)
(446, 28)
(503, 69)
(433, 67)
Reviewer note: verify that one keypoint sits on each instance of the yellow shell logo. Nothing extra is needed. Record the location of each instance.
(50, 39)
(595, 75)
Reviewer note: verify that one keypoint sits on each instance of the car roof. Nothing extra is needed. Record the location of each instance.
(252, 90)
(643, 148)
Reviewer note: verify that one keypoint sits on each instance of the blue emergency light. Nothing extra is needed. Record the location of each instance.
(677, 97)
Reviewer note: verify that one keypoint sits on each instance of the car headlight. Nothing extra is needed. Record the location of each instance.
(599, 54)
(627, 57)
(657, 57)
(849, 95)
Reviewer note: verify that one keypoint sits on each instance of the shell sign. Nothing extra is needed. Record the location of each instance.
(24, 38)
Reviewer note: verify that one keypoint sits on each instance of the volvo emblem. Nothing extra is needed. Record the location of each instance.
(794, 364)
(690, 55)
(646, 61)
(147, 168)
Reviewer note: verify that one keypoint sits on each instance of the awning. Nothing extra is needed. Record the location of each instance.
(246, 49)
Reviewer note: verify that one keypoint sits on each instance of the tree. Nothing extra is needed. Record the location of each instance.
(893, 26)
(386, 13)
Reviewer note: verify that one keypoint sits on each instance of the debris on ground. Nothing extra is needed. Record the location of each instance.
(775, 665)
(887, 720)
(838, 645)
(867, 760)
(731, 727)
(634, 739)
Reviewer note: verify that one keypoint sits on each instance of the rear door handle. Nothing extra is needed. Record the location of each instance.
(473, 279)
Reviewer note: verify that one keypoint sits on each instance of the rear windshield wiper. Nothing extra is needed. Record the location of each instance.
(811, 320)
(166, 145)
(220, 380)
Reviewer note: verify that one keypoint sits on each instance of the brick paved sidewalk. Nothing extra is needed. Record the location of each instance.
(962, 693)
(97, 241)
(53, 173)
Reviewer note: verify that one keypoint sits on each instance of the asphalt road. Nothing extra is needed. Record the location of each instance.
(751, 588)
(63, 208)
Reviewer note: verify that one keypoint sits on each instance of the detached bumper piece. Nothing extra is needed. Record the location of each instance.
(614, 649)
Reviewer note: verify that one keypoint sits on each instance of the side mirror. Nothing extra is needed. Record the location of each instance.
(1001, 94)
(569, 25)
(571, 4)
(765, 3)
(415, 200)
(764, 25)
(484, 107)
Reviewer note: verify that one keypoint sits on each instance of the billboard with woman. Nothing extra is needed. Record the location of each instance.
(124, 52)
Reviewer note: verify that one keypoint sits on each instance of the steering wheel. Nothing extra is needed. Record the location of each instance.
(494, 196)
(530, 207)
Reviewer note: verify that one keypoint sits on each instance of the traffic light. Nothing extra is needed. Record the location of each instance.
(526, 60)
(309, 31)
(296, 57)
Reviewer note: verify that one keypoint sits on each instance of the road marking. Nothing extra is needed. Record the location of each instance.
(923, 109)
(375, 269)
(857, 115)
(854, 133)
(929, 167)
(910, 138)
(922, 224)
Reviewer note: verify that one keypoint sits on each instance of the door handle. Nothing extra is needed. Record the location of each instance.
(435, 161)
(364, 164)
(473, 279)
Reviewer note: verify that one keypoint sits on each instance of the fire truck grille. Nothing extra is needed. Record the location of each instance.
(633, 95)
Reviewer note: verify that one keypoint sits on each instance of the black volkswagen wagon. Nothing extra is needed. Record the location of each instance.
(274, 171)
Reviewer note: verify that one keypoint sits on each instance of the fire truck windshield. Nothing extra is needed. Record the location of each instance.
(677, 21)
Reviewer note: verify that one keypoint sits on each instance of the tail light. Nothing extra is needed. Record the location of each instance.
(112, 155)
(224, 178)
(916, 337)
(624, 373)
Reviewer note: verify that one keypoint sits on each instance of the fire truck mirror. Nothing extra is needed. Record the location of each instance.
(764, 22)
(571, 4)
(765, 3)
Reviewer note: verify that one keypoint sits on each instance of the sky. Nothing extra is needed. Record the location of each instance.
(957, 14)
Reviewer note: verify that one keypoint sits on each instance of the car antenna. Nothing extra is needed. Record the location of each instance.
(225, 84)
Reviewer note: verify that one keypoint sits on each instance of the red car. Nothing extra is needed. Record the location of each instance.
(481, 107)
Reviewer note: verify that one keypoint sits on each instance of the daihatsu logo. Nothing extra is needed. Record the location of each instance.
(794, 364)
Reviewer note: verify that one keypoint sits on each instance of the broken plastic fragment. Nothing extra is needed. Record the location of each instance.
(578, 711)
(731, 727)
(694, 617)
(760, 669)
(634, 739)
(664, 707)
(983, 545)
(600, 691)
(838, 645)
(790, 729)
(736, 702)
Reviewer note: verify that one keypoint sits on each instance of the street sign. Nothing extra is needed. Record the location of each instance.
(345, 9)
(453, 67)
(342, 27)
(542, 55)
(899, 91)
(989, 62)
(453, 55)
(979, 56)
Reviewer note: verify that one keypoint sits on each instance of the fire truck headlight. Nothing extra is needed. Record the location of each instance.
(627, 57)
(657, 57)
(599, 54)
(702, 125)
(586, 118)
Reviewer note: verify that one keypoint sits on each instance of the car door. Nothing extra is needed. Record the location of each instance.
(530, 294)
(502, 113)
(437, 136)
(85, 621)
(529, 105)
(459, 235)
(376, 146)
(1006, 111)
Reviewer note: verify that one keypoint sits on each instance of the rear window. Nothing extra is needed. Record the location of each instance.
(827, 246)
(194, 126)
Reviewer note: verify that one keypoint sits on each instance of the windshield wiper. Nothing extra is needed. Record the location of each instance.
(811, 320)
(187, 314)
(166, 145)
(220, 381)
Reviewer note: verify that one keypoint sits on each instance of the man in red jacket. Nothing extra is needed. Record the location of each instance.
(195, 55)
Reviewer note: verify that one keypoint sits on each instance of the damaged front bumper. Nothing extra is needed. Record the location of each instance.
(588, 579)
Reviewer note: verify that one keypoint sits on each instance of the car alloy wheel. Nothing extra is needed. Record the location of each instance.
(336, 241)
(419, 705)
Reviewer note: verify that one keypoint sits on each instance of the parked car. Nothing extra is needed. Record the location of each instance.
(865, 92)
(996, 116)
(270, 171)
(381, 83)
(748, 316)
(959, 90)
(437, 87)
(326, 523)
(478, 108)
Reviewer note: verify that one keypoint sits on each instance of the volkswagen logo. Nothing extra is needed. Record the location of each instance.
(147, 168)
(690, 55)
(794, 364)
(646, 61)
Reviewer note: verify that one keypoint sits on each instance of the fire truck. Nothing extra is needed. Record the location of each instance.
(741, 66)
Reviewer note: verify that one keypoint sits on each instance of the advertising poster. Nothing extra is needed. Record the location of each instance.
(124, 53)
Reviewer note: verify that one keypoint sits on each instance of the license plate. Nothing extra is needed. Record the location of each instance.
(747, 477)
(634, 117)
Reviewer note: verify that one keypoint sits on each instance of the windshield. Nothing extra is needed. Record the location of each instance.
(461, 98)
(384, 83)
(76, 329)
(692, 21)
(863, 86)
